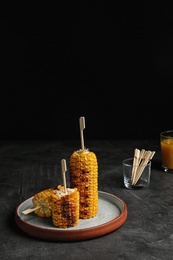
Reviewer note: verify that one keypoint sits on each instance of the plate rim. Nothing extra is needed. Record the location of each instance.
(76, 234)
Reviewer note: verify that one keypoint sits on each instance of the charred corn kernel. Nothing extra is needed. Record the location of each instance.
(43, 200)
(83, 169)
(65, 207)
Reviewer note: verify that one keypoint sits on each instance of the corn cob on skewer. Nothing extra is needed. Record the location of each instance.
(65, 207)
(83, 168)
(42, 200)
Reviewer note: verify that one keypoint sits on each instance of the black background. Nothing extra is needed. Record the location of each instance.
(109, 61)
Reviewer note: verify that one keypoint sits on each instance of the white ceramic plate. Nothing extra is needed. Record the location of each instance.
(112, 213)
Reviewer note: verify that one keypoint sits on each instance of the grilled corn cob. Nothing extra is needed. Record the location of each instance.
(42, 200)
(65, 207)
(83, 169)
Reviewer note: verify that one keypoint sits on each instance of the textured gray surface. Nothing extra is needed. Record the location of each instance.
(28, 167)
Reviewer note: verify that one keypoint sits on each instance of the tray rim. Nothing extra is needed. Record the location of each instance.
(76, 234)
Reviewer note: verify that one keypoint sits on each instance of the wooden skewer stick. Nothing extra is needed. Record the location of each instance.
(141, 163)
(82, 127)
(27, 211)
(135, 163)
(142, 154)
(152, 154)
(64, 169)
(142, 166)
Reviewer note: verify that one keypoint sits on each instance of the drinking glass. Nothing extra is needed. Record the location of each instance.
(144, 180)
(166, 144)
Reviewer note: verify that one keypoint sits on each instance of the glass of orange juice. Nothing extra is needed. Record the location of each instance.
(166, 143)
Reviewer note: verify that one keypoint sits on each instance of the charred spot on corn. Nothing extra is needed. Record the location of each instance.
(65, 208)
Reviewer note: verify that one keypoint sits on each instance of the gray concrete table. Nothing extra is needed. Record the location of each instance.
(27, 167)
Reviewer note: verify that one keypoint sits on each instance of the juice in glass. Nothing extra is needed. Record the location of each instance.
(166, 142)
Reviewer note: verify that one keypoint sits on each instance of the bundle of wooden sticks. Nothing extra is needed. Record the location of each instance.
(140, 161)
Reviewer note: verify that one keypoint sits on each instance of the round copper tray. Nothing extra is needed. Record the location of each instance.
(112, 213)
